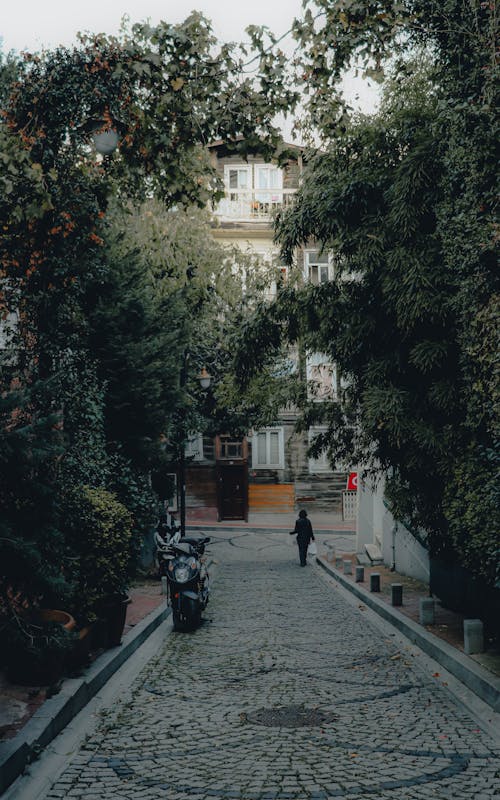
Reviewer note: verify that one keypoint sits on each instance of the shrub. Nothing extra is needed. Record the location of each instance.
(99, 536)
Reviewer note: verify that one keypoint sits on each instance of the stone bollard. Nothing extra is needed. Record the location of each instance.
(375, 582)
(397, 594)
(330, 555)
(339, 562)
(427, 610)
(360, 574)
(473, 636)
(164, 585)
(347, 567)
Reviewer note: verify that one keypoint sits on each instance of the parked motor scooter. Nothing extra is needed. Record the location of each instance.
(188, 581)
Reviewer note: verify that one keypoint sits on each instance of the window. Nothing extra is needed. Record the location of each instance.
(280, 282)
(238, 177)
(268, 449)
(230, 447)
(237, 180)
(268, 177)
(194, 447)
(321, 377)
(268, 184)
(321, 463)
(318, 268)
(208, 448)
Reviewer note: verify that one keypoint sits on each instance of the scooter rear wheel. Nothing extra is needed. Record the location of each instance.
(177, 620)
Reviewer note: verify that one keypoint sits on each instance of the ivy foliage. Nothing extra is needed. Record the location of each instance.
(92, 331)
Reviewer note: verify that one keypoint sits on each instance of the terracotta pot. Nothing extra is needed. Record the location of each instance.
(42, 666)
(53, 615)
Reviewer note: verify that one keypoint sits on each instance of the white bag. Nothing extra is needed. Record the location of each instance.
(312, 550)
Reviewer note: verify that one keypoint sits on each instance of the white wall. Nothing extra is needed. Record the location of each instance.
(376, 524)
(364, 523)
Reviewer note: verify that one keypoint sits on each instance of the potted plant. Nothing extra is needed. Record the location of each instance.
(37, 649)
(100, 535)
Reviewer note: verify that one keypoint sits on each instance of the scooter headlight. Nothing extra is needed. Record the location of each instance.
(182, 573)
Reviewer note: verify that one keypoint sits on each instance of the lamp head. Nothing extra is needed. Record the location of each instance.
(205, 379)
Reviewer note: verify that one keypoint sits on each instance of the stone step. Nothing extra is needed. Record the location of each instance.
(374, 553)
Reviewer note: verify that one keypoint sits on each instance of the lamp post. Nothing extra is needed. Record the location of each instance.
(205, 380)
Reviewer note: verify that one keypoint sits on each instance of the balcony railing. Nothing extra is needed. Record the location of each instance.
(243, 205)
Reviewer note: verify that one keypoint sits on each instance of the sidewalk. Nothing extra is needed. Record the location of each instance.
(443, 640)
(205, 519)
(19, 703)
(31, 717)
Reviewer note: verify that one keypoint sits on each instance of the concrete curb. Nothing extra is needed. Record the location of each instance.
(58, 711)
(478, 680)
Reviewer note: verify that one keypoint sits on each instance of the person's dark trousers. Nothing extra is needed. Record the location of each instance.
(303, 552)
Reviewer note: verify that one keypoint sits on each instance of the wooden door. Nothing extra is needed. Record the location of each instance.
(232, 485)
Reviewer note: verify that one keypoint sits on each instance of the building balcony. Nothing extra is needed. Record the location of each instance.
(242, 205)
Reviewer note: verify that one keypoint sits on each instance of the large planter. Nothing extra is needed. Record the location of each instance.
(113, 611)
(41, 657)
(80, 656)
(54, 615)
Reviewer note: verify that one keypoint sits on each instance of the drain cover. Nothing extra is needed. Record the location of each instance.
(290, 717)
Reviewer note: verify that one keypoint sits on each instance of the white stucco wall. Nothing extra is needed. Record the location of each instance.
(364, 523)
(377, 525)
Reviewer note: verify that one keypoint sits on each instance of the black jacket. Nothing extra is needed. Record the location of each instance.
(303, 529)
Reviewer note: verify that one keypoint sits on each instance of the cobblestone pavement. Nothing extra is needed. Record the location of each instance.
(286, 692)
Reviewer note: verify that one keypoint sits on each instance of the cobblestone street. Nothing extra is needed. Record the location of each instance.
(286, 692)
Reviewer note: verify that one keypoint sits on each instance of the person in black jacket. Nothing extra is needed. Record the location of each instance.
(304, 531)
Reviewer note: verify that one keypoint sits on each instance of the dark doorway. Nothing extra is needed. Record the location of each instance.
(232, 491)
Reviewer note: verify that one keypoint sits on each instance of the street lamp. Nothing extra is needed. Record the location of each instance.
(103, 132)
(105, 142)
(205, 380)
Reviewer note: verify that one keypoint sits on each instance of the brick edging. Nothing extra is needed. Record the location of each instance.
(477, 679)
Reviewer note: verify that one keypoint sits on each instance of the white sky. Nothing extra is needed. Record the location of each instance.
(34, 24)
(29, 24)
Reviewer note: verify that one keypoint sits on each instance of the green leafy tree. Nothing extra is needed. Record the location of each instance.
(204, 292)
(405, 201)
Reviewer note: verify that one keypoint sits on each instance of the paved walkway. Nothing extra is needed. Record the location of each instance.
(287, 692)
(448, 625)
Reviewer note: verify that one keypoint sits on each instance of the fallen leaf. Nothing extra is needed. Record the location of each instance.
(436, 675)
